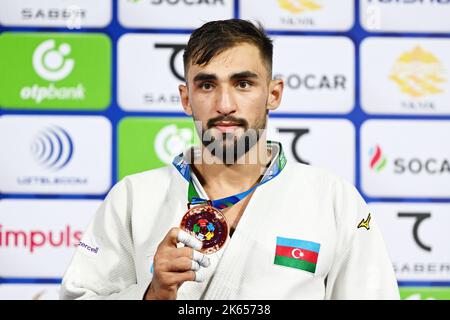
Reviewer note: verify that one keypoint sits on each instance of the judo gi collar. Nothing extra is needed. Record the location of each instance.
(275, 167)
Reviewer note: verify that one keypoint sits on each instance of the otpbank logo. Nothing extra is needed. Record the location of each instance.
(404, 159)
(300, 14)
(418, 73)
(377, 159)
(149, 143)
(55, 71)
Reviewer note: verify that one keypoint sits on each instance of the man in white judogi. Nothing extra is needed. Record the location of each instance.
(295, 232)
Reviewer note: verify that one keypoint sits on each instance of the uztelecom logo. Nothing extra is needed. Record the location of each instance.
(53, 148)
(55, 154)
(55, 71)
(418, 73)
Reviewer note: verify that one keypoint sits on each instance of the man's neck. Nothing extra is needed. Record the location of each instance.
(219, 179)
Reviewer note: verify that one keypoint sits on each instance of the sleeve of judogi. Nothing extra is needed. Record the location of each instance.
(103, 266)
(362, 268)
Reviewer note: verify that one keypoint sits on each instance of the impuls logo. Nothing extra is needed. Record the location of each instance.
(299, 6)
(53, 148)
(418, 73)
(171, 141)
(32, 240)
(377, 160)
(51, 64)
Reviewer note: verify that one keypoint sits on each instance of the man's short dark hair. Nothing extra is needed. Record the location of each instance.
(214, 37)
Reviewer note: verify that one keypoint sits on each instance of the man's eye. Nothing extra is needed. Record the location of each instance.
(206, 86)
(244, 84)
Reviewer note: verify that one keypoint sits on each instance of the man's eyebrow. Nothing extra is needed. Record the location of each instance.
(243, 75)
(204, 77)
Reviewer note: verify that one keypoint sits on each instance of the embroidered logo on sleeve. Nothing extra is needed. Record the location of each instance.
(365, 223)
(88, 247)
(299, 254)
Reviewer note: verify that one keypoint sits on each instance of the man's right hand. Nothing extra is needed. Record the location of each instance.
(172, 266)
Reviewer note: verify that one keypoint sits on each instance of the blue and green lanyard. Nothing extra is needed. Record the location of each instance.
(194, 198)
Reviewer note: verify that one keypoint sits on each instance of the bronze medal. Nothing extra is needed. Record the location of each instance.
(206, 224)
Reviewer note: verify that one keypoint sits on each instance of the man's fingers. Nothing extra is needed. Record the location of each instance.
(200, 258)
(171, 238)
(196, 276)
(177, 235)
(189, 240)
(195, 266)
(182, 264)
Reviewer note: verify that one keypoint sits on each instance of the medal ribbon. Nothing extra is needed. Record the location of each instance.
(194, 198)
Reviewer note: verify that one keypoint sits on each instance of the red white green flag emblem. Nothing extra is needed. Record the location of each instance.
(299, 254)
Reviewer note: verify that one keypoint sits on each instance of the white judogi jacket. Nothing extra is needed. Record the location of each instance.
(115, 257)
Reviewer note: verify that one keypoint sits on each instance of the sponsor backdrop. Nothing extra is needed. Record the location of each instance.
(89, 94)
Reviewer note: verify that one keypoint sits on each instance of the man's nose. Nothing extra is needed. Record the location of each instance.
(225, 103)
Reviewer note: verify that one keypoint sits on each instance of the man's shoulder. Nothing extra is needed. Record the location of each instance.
(155, 176)
(309, 173)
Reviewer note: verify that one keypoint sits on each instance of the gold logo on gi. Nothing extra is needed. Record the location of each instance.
(299, 6)
(418, 73)
(365, 223)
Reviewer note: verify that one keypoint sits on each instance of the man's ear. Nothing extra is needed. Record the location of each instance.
(184, 96)
(276, 87)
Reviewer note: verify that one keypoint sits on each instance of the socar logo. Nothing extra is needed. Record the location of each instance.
(377, 159)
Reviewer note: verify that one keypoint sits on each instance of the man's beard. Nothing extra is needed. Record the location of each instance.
(227, 147)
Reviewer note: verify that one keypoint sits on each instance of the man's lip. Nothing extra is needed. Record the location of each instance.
(226, 127)
(226, 124)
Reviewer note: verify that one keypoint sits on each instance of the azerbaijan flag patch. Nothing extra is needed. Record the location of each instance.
(299, 254)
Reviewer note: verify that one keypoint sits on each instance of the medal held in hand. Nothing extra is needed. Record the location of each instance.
(207, 224)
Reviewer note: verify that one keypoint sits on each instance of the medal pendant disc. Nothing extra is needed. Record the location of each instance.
(208, 225)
